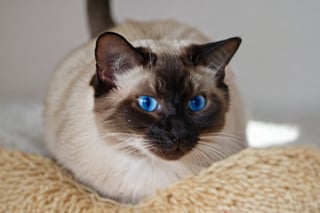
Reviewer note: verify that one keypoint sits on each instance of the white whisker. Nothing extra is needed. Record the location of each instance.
(203, 156)
(198, 156)
(225, 149)
(228, 135)
(212, 150)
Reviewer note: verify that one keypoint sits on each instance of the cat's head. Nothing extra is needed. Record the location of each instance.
(160, 98)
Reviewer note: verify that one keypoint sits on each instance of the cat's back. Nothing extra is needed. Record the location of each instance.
(167, 30)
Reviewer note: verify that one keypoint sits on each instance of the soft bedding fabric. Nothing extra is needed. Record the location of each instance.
(283, 180)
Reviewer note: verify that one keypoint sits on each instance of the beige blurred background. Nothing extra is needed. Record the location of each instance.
(277, 64)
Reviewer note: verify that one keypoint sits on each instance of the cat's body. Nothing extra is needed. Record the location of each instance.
(86, 132)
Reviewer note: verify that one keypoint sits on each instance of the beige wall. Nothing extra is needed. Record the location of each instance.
(277, 64)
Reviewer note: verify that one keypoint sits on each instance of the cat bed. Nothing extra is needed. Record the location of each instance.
(283, 180)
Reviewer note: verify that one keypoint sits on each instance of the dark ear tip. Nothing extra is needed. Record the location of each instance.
(110, 39)
(237, 40)
(108, 34)
(233, 43)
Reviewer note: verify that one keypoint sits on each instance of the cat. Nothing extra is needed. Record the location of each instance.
(143, 105)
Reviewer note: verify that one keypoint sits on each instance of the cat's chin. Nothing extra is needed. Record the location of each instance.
(170, 155)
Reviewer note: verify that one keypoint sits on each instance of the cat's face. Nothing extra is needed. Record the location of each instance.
(160, 101)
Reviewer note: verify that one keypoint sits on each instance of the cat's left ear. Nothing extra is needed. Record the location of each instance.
(215, 55)
(114, 55)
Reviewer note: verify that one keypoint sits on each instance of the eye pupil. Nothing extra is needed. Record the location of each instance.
(197, 103)
(147, 103)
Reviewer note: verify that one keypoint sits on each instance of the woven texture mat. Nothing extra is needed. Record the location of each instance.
(255, 180)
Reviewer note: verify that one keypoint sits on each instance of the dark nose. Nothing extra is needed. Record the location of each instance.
(177, 129)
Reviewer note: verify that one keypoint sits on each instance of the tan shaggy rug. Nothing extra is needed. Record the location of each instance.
(282, 180)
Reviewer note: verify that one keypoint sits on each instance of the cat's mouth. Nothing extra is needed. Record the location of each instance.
(172, 151)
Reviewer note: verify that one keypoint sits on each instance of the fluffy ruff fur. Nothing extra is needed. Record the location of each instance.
(254, 180)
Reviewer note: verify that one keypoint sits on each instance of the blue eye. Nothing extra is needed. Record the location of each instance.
(147, 103)
(197, 103)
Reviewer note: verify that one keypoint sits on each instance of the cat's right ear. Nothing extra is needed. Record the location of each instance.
(215, 55)
(114, 55)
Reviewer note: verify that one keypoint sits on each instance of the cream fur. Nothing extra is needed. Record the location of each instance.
(73, 138)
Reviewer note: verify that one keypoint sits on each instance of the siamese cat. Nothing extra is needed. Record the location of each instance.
(143, 105)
